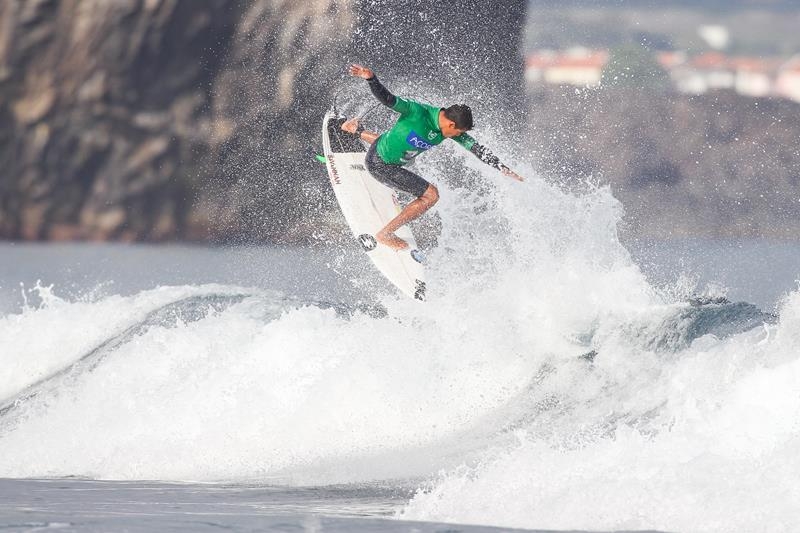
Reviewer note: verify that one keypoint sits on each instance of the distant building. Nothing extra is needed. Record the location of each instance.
(716, 36)
(748, 76)
(714, 71)
(787, 84)
(710, 71)
(579, 67)
(671, 59)
(754, 76)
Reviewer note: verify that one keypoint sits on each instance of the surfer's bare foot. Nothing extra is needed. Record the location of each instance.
(391, 240)
(350, 126)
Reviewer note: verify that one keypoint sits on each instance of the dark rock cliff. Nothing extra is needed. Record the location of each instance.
(198, 119)
(716, 165)
(100, 109)
(169, 119)
(464, 50)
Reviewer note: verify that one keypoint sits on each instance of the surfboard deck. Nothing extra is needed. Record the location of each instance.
(368, 206)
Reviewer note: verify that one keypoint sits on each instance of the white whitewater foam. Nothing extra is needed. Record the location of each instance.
(485, 374)
(236, 395)
(724, 459)
(41, 340)
(710, 439)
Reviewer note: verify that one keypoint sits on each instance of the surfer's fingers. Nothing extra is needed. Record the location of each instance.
(511, 174)
(360, 71)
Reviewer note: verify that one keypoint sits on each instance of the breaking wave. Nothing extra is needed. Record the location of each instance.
(544, 384)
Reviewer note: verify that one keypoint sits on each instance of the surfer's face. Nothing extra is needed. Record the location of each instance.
(448, 127)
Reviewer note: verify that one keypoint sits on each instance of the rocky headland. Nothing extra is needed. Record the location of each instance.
(714, 165)
(161, 120)
(187, 119)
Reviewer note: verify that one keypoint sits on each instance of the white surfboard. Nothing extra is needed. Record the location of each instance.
(368, 206)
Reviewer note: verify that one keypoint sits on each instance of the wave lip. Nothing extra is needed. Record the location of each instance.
(185, 310)
(722, 446)
(484, 382)
(272, 387)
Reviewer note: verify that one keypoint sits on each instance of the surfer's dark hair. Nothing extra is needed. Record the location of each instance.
(460, 114)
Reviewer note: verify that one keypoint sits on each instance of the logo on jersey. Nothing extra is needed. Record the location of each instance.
(416, 140)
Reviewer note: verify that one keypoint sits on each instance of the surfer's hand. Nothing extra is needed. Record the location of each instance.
(361, 72)
(351, 125)
(510, 173)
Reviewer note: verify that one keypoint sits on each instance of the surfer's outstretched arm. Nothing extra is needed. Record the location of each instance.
(486, 155)
(378, 90)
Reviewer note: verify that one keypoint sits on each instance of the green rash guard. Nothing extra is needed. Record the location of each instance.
(415, 131)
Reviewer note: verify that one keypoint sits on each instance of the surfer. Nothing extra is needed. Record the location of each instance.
(419, 128)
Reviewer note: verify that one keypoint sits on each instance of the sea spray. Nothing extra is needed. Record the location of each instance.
(270, 395)
(543, 363)
(709, 442)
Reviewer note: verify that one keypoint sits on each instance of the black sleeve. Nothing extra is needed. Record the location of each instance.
(381, 93)
(485, 155)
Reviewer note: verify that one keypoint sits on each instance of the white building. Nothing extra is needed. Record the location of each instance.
(578, 67)
(788, 82)
(703, 73)
(754, 76)
(748, 76)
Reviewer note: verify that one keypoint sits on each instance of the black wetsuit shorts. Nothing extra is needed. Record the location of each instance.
(394, 176)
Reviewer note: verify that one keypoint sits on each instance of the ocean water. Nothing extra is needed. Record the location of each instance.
(555, 379)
